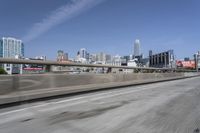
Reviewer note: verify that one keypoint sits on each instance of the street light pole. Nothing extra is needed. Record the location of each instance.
(196, 62)
(198, 56)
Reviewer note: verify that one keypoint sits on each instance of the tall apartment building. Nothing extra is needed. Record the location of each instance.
(11, 48)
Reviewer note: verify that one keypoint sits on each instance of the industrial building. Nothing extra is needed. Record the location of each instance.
(162, 60)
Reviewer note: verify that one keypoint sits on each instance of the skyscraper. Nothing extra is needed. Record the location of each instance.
(66, 56)
(83, 53)
(137, 47)
(61, 56)
(11, 48)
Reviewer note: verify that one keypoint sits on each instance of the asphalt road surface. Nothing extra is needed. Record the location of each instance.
(167, 107)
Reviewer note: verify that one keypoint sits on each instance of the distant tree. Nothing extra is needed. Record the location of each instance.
(2, 71)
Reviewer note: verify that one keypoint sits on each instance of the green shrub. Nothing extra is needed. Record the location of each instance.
(2, 71)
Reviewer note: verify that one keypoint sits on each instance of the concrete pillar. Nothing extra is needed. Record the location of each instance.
(48, 68)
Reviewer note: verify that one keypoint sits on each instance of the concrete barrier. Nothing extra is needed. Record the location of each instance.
(27, 87)
(9, 84)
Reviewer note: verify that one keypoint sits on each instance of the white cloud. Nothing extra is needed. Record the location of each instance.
(62, 14)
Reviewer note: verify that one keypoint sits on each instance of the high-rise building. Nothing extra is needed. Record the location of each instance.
(197, 60)
(11, 48)
(83, 53)
(137, 47)
(101, 57)
(61, 56)
(66, 56)
(116, 60)
(93, 57)
(1, 48)
(83, 56)
(108, 58)
(87, 56)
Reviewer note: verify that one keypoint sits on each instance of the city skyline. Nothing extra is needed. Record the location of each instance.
(94, 27)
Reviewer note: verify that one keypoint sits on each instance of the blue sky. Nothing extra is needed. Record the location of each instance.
(109, 26)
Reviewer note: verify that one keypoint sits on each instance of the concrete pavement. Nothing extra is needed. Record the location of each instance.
(167, 107)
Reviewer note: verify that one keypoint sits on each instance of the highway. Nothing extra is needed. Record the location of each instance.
(166, 107)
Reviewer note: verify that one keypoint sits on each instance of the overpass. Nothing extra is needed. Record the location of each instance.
(49, 64)
(55, 63)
